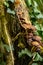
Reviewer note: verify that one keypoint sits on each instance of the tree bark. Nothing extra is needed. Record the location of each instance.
(5, 35)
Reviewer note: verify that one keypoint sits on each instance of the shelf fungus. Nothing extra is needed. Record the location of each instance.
(22, 29)
(24, 20)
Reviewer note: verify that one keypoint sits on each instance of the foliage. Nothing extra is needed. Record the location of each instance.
(25, 52)
(10, 11)
(7, 4)
(39, 28)
(11, 1)
(36, 15)
(35, 56)
(2, 63)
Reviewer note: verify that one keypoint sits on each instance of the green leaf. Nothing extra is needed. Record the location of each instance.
(37, 57)
(1, 54)
(2, 63)
(11, 1)
(6, 4)
(36, 32)
(35, 64)
(24, 52)
(40, 16)
(37, 26)
(10, 11)
(35, 4)
(7, 48)
(29, 2)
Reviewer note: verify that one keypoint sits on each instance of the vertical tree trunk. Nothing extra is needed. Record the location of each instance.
(5, 35)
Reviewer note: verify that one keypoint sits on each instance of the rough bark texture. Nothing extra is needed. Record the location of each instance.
(23, 18)
(5, 35)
